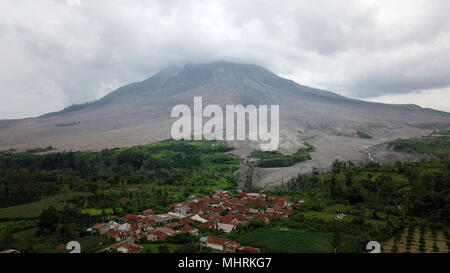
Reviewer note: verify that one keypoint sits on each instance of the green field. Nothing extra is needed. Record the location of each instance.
(93, 211)
(293, 241)
(154, 247)
(33, 209)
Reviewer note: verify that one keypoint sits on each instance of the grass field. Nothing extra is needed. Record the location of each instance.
(154, 247)
(32, 209)
(16, 225)
(94, 212)
(329, 213)
(293, 241)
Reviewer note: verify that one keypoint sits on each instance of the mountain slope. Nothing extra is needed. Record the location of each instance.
(139, 113)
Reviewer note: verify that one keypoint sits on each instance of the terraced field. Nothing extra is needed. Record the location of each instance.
(419, 240)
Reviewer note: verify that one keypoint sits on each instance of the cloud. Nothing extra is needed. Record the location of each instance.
(55, 53)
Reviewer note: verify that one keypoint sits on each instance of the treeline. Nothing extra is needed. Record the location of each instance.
(26, 177)
(420, 190)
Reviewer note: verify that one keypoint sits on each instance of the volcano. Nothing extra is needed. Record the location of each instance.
(139, 113)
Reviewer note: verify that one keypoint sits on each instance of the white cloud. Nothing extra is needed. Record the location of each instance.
(83, 49)
(433, 98)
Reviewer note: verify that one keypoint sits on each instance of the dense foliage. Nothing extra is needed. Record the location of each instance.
(272, 159)
(26, 177)
(437, 144)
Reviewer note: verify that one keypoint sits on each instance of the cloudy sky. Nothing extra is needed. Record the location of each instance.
(54, 53)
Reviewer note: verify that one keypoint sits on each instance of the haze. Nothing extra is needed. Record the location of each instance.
(58, 53)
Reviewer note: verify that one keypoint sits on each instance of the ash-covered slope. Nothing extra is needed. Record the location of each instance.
(139, 113)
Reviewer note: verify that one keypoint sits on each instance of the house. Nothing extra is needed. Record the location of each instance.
(253, 211)
(123, 200)
(125, 227)
(233, 218)
(199, 218)
(101, 228)
(188, 229)
(60, 246)
(128, 248)
(157, 236)
(162, 218)
(182, 209)
(208, 225)
(249, 249)
(225, 245)
(172, 225)
(281, 202)
(185, 221)
(118, 235)
(167, 231)
(213, 242)
(227, 228)
(148, 212)
(112, 225)
(148, 221)
(231, 246)
(237, 202)
(270, 211)
(9, 251)
(253, 195)
(130, 218)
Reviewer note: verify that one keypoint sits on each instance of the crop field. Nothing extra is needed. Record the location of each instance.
(419, 240)
(293, 241)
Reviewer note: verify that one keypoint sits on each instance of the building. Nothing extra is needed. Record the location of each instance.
(213, 242)
(227, 228)
(188, 229)
(148, 212)
(128, 248)
(182, 209)
(118, 235)
(157, 236)
(101, 228)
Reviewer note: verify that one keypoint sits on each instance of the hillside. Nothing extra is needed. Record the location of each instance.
(139, 113)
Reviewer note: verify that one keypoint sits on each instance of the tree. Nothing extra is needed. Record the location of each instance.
(336, 242)
(248, 186)
(6, 239)
(163, 249)
(48, 220)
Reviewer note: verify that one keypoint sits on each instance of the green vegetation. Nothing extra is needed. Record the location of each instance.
(437, 144)
(17, 225)
(294, 241)
(39, 150)
(272, 159)
(363, 135)
(165, 172)
(155, 248)
(32, 209)
(106, 211)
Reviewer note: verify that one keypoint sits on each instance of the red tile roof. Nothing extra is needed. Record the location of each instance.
(160, 235)
(187, 228)
(250, 249)
(236, 201)
(186, 220)
(97, 226)
(130, 246)
(216, 240)
(148, 212)
(208, 225)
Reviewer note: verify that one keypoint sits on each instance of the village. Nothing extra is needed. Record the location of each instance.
(219, 212)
